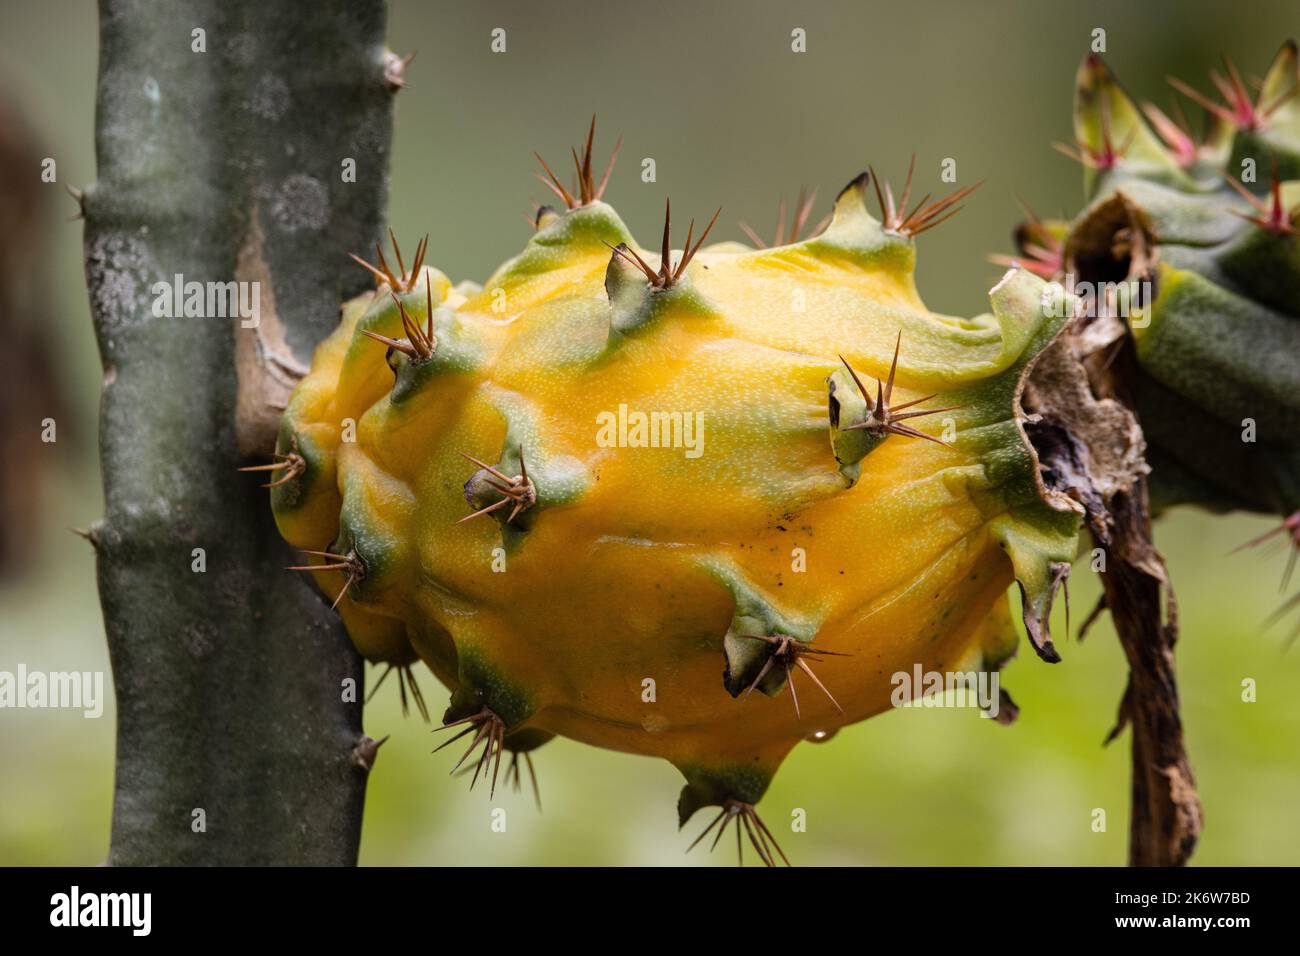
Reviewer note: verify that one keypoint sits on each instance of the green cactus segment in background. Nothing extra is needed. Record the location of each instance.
(1210, 223)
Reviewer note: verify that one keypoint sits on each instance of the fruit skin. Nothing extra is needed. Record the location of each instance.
(622, 608)
(1218, 347)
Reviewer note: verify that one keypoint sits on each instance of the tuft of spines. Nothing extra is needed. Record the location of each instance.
(401, 280)
(760, 837)
(349, 562)
(666, 276)
(1239, 109)
(1042, 251)
(1272, 216)
(292, 464)
(518, 490)
(787, 652)
(420, 343)
(405, 675)
(882, 418)
(1176, 132)
(587, 190)
(489, 732)
(925, 214)
(802, 210)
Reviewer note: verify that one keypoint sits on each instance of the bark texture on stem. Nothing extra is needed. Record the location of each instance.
(1091, 448)
(235, 744)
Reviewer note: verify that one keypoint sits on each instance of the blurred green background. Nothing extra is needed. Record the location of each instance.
(731, 116)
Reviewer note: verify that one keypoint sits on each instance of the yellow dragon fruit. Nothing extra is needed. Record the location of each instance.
(615, 490)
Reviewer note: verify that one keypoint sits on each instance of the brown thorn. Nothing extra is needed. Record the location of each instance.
(417, 694)
(666, 251)
(351, 578)
(609, 168)
(488, 510)
(587, 181)
(907, 185)
(379, 683)
(857, 381)
(730, 817)
(803, 211)
(401, 691)
(421, 249)
(451, 740)
(705, 832)
(763, 826)
(925, 411)
(428, 307)
(532, 774)
(398, 250)
(629, 255)
(790, 683)
(391, 343)
(752, 236)
(393, 281)
(689, 254)
(767, 666)
(893, 368)
(558, 191)
(753, 839)
(915, 433)
(556, 186)
(581, 189)
(486, 467)
(379, 276)
(880, 199)
(803, 666)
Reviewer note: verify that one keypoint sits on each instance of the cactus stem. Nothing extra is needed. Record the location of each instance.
(490, 731)
(884, 418)
(760, 837)
(1240, 110)
(419, 343)
(404, 674)
(518, 490)
(787, 651)
(1273, 216)
(402, 281)
(667, 276)
(923, 216)
(339, 562)
(802, 209)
